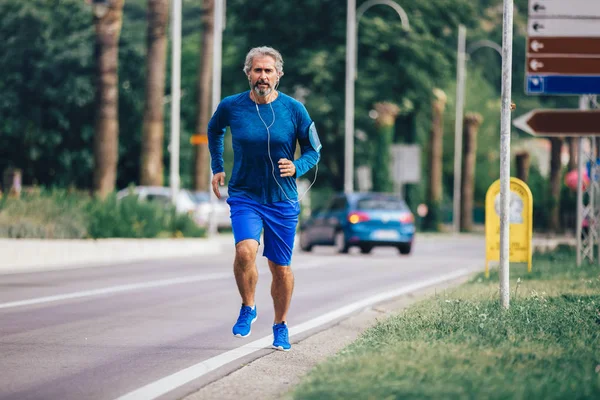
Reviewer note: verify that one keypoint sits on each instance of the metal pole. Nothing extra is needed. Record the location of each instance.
(349, 118)
(582, 106)
(216, 93)
(175, 99)
(507, 39)
(458, 124)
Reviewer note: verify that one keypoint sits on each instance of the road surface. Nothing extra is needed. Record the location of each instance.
(163, 328)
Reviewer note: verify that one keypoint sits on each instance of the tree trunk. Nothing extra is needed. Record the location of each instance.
(151, 171)
(201, 154)
(434, 190)
(472, 122)
(573, 152)
(106, 127)
(386, 117)
(555, 172)
(523, 163)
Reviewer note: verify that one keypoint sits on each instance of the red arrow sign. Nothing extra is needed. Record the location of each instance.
(560, 123)
(563, 65)
(562, 45)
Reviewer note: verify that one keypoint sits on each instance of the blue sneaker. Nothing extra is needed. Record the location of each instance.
(245, 321)
(281, 339)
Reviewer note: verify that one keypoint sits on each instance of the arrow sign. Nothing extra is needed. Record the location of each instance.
(538, 7)
(564, 8)
(556, 27)
(564, 46)
(565, 65)
(535, 65)
(560, 123)
(536, 46)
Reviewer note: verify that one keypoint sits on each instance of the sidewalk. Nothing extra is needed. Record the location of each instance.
(26, 255)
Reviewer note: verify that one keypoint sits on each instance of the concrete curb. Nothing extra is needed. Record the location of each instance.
(26, 255)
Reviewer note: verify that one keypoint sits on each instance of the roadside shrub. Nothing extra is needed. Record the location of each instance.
(127, 218)
(46, 214)
(183, 225)
(62, 214)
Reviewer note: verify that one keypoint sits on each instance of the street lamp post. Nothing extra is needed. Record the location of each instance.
(353, 17)
(461, 74)
(175, 98)
(219, 26)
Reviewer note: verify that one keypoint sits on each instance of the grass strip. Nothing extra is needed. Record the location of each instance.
(460, 344)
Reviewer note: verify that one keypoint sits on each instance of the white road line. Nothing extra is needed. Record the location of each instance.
(117, 289)
(171, 382)
(138, 286)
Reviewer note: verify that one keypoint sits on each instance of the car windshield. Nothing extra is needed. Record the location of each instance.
(381, 203)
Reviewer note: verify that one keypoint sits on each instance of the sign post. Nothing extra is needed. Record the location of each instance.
(507, 52)
(563, 47)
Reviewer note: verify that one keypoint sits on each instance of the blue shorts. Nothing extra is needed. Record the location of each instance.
(279, 221)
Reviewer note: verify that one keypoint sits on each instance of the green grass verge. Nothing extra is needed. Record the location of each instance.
(460, 344)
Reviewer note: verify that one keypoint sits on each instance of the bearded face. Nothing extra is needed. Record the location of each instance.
(262, 88)
(263, 76)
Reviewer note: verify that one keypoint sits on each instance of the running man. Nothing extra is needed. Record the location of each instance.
(265, 126)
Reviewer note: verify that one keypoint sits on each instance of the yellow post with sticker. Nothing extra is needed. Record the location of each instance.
(520, 220)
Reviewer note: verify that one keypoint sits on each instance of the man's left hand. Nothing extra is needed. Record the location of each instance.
(286, 168)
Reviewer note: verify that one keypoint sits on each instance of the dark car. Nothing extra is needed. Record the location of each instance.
(364, 220)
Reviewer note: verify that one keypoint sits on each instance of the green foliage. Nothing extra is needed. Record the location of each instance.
(382, 179)
(47, 65)
(127, 218)
(462, 344)
(50, 214)
(393, 65)
(61, 214)
(431, 222)
(46, 107)
(183, 225)
(130, 218)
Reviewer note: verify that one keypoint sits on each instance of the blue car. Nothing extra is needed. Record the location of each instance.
(364, 220)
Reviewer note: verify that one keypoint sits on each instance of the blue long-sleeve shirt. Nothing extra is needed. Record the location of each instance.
(254, 172)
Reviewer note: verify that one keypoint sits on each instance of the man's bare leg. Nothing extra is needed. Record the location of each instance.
(282, 287)
(244, 269)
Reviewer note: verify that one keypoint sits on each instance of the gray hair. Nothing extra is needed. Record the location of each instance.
(261, 52)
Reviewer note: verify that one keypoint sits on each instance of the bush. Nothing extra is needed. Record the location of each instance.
(47, 214)
(61, 214)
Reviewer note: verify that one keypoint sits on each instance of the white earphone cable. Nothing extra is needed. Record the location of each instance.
(269, 152)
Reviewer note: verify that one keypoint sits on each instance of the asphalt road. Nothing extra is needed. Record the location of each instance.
(163, 328)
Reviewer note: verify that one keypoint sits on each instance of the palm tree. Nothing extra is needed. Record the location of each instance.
(386, 118)
(201, 155)
(151, 171)
(106, 128)
(436, 140)
(471, 124)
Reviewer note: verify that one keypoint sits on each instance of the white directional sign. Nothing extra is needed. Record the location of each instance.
(564, 8)
(557, 27)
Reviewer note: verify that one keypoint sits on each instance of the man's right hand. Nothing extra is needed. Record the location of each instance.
(218, 179)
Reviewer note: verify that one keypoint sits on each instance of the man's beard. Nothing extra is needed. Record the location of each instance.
(260, 91)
